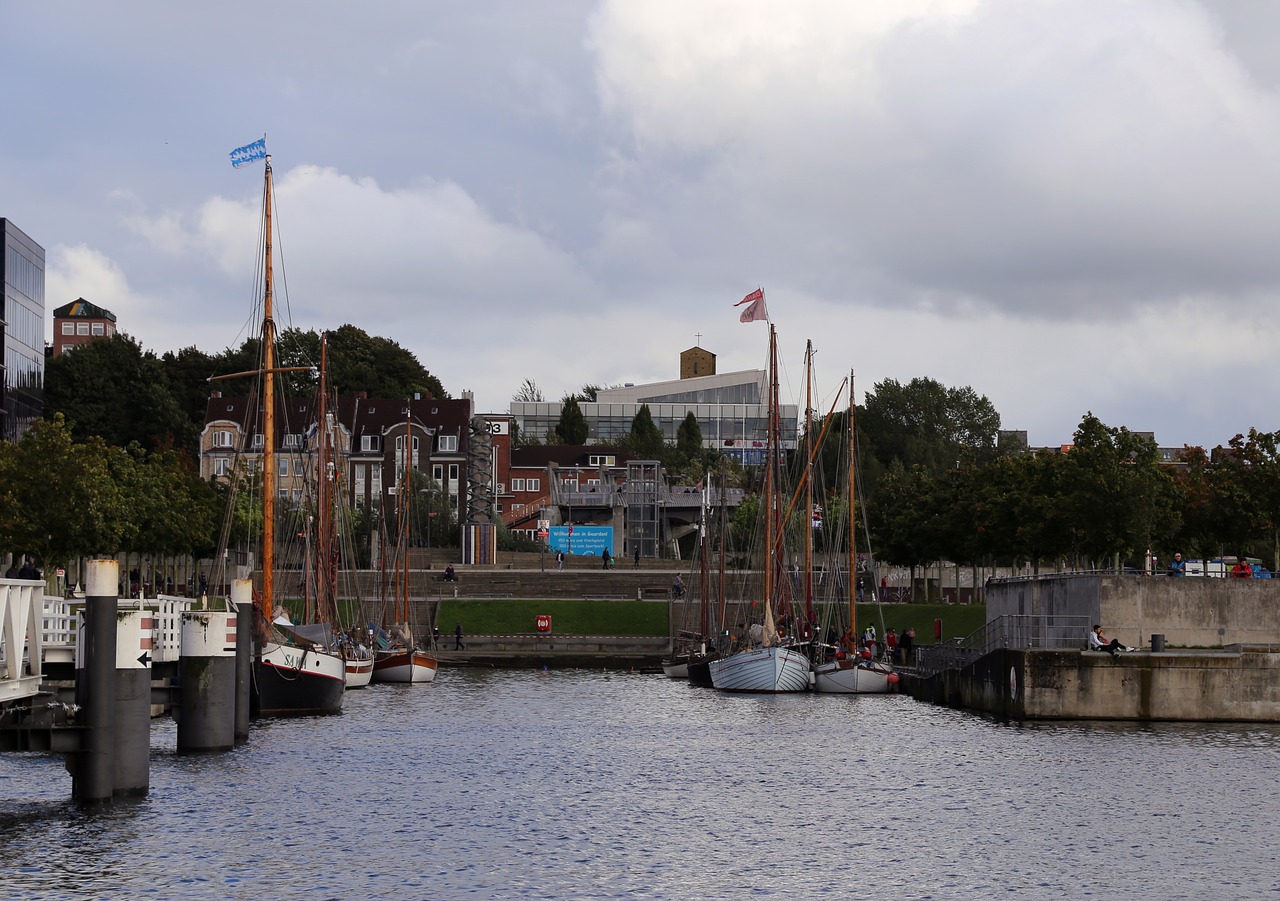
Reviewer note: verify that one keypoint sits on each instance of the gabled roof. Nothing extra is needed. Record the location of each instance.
(82, 309)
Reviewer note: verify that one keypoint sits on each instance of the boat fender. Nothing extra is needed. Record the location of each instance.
(893, 678)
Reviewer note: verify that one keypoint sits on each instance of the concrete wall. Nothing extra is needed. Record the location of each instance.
(1189, 612)
(1236, 684)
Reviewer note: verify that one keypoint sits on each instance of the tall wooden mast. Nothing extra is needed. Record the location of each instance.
(853, 556)
(268, 413)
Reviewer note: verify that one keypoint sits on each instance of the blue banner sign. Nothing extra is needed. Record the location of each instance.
(586, 541)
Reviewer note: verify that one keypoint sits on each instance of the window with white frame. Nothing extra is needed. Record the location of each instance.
(284, 469)
(293, 439)
(82, 328)
(448, 444)
(370, 443)
(375, 479)
(258, 441)
(99, 328)
(222, 438)
(453, 475)
(437, 472)
(221, 466)
(569, 483)
(517, 484)
(533, 485)
(68, 328)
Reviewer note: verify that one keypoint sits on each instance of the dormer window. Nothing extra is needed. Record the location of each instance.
(448, 444)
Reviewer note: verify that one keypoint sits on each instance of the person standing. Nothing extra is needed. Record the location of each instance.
(559, 561)
(457, 638)
(605, 559)
(1177, 566)
(636, 554)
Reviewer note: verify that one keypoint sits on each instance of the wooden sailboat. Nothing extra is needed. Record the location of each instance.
(323, 565)
(766, 664)
(295, 669)
(402, 659)
(847, 673)
(695, 649)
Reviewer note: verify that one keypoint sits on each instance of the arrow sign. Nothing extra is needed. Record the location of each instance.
(145, 659)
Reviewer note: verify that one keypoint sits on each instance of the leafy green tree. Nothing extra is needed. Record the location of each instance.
(572, 427)
(645, 440)
(111, 388)
(924, 423)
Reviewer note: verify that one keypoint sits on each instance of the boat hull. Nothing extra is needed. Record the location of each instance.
(761, 670)
(292, 681)
(359, 671)
(845, 677)
(404, 666)
(676, 667)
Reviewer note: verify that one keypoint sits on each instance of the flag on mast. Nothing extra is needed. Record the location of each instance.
(243, 156)
(756, 308)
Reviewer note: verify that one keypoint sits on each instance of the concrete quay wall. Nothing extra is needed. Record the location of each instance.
(1189, 612)
(1237, 684)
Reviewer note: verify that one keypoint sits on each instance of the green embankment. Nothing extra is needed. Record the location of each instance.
(647, 618)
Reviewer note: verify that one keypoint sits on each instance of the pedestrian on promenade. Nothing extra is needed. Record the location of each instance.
(605, 559)
(559, 561)
(636, 554)
(457, 638)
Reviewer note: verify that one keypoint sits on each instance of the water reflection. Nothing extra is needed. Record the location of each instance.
(586, 784)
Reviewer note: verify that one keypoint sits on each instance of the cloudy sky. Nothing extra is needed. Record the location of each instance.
(1069, 205)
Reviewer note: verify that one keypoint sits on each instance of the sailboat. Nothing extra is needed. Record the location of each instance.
(846, 673)
(400, 658)
(695, 649)
(766, 664)
(323, 565)
(295, 669)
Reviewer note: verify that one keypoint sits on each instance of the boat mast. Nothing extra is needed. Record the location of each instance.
(807, 524)
(853, 556)
(268, 414)
(771, 492)
(326, 600)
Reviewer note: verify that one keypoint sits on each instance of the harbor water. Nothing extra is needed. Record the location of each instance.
(577, 784)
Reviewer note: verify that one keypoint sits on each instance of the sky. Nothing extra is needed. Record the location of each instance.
(1070, 206)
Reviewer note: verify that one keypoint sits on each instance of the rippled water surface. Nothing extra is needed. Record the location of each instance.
(506, 784)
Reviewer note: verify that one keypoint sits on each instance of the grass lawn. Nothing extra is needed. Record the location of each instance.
(649, 618)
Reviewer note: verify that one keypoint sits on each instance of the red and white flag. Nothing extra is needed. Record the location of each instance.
(755, 309)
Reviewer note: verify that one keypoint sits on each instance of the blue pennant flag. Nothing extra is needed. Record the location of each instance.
(243, 156)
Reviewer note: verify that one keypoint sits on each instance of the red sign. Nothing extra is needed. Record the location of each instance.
(543, 622)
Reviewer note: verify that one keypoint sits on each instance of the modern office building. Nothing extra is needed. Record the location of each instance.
(22, 326)
(731, 409)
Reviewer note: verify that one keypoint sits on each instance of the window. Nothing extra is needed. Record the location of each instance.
(221, 466)
(257, 441)
(448, 444)
(68, 328)
(497, 508)
(375, 480)
(533, 484)
(284, 469)
(222, 438)
(99, 328)
(437, 472)
(453, 473)
(592, 483)
(370, 443)
(359, 479)
(517, 484)
(293, 439)
(569, 483)
(82, 328)
(600, 460)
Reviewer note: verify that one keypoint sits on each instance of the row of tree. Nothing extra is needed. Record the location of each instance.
(113, 389)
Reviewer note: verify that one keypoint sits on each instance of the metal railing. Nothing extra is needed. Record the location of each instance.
(1021, 632)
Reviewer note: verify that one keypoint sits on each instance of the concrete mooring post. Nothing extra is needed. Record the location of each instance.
(207, 679)
(93, 766)
(134, 638)
(242, 600)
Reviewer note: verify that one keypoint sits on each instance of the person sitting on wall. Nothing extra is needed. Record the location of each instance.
(1098, 642)
(1242, 570)
(677, 587)
(449, 574)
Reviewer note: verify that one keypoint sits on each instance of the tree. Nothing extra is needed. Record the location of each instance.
(645, 440)
(924, 423)
(529, 393)
(572, 427)
(113, 389)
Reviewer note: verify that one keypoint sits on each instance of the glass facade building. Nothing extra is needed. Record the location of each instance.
(22, 387)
